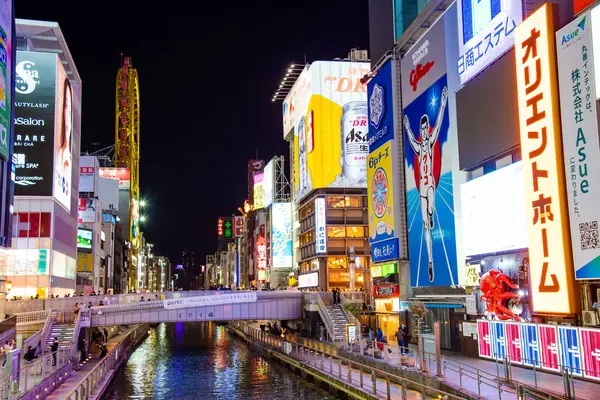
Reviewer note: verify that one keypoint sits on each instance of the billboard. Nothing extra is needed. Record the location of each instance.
(514, 345)
(281, 235)
(35, 106)
(580, 5)
(238, 226)
(580, 143)
(330, 128)
(258, 191)
(551, 269)
(498, 340)
(253, 167)
(484, 203)
(84, 239)
(295, 102)
(485, 32)
(268, 182)
(63, 138)
(88, 174)
(85, 262)
(431, 157)
(32, 225)
(484, 338)
(384, 212)
(548, 347)
(530, 345)
(308, 280)
(86, 211)
(320, 225)
(570, 350)
(6, 75)
(123, 175)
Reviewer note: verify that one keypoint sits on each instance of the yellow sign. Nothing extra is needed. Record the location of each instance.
(380, 191)
(551, 264)
(330, 130)
(85, 262)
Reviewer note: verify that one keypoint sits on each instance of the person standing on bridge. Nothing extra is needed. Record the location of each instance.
(54, 348)
(76, 310)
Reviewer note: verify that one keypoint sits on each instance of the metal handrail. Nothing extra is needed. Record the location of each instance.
(353, 320)
(88, 383)
(277, 342)
(325, 318)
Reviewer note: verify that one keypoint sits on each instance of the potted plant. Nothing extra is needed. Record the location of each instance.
(419, 310)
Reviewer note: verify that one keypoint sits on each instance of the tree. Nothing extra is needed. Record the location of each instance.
(418, 309)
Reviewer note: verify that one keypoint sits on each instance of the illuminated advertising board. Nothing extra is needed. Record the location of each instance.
(551, 267)
(381, 194)
(484, 338)
(32, 225)
(548, 347)
(6, 75)
(320, 225)
(86, 210)
(486, 30)
(84, 239)
(123, 175)
(431, 156)
(330, 127)
(281, 235)
(88, 174)
(295, 102)
(514, 345)
(63, 138)
(225, 227)
(220, 226)
(85, 262)
(384, 270)
(308, 280)
(267, 186)
(261, 252)
(254, 166)
(35, 107)
(580, 5)
(238, 226)
(570, 349)
(484, 204)
(590, 352)
(258, 191)
(530, 345)
(574, 47)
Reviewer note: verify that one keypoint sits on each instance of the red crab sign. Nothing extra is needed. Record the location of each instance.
(495, 286)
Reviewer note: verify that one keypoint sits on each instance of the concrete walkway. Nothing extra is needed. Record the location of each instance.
(352, 376)
(77, 377)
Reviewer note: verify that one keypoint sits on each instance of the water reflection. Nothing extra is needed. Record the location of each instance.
(200, 361)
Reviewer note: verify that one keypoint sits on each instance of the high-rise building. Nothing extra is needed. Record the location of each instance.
(42, 260)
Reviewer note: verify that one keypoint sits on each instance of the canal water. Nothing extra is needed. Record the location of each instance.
(201, 361)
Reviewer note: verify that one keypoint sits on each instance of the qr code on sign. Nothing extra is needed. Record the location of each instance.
(588, 234)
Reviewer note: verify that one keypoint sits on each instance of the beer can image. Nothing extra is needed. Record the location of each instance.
(355, 142)
(301, 154)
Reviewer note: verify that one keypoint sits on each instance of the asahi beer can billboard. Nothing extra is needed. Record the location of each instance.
(330, 126)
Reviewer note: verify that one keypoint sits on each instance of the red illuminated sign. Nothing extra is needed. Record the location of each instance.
(580, 5)
(386, 291)
(419, 73)
(238, 226)
(220, 226)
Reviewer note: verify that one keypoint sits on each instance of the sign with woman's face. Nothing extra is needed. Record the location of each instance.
(63, 137)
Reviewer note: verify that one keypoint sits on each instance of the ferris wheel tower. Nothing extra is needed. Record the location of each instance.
(127, 152)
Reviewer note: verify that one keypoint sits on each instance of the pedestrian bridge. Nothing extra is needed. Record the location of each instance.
(202, 306)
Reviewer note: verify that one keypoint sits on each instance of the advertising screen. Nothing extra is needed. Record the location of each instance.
(590, 352)
(281, 235)
(261, 252)
(308, 280)
(258, 191)
(267, 188)
(86, 211)
(63, 138)
(35, 103)
(32, 225)
(498, 330)
(254, 166)
(85, 262)
(574, 46)
(486, 30)
(530, 343)
(514, 344)
(123, 175)
(484, 338)
(494, 200)
(551, 266)
(431, 150)
(84, 239)
(6, 75)
(330, 129)
(548, 347)
(570, 350)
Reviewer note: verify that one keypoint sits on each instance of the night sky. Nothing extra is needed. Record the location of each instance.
(207, 73)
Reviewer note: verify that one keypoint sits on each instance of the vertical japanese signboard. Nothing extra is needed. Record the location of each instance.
(514, 344)
(580, 142)
(551, 272)
(590, 352)
(530, 345)
(238, 226)
(321, 225)
(570, 350)
(549, 347)
(484, 339)
(498, 342)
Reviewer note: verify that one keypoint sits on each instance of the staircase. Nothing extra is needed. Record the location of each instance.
(339, 322)
(64, 333)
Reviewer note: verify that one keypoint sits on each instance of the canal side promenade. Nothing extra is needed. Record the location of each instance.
(92, 378)
(474, 378)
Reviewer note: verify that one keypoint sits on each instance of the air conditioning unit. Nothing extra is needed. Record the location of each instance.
(589, 318)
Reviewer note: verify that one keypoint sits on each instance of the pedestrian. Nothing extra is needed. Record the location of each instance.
(30, 354)
(6, 351)
(105, 335)
(400, 338)
(54, 348)
(406, 335)
(103, 350)
(76, 310)
(379, 335)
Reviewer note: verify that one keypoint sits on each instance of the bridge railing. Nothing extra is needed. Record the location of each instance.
(32, 317)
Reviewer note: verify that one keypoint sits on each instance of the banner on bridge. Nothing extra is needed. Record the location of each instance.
(201, 301)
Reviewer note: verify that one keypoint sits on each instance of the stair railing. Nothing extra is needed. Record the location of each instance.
(76, 335)
(325, 317)
(353, 298)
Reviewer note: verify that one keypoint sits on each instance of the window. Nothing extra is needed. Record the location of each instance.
(355, 231)
(336, 232)
(336, 262)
